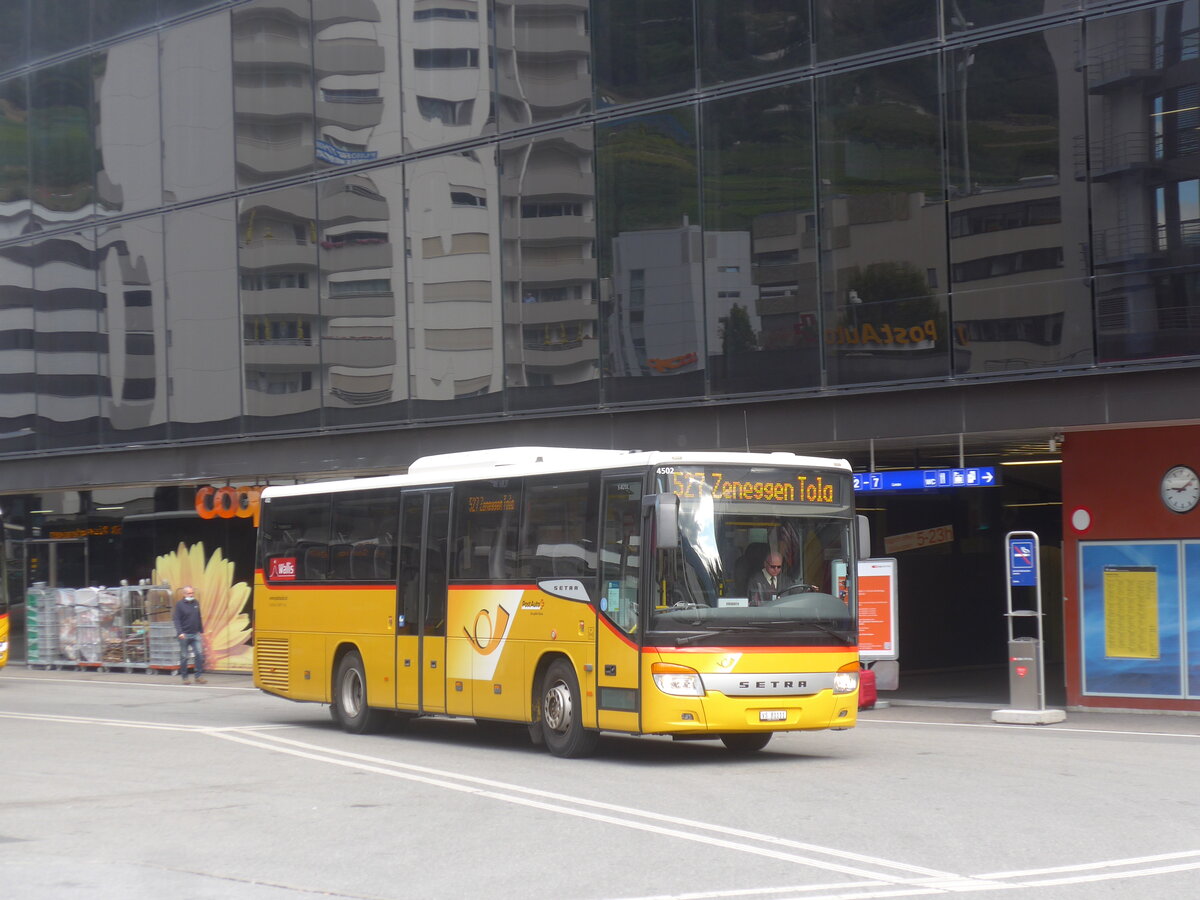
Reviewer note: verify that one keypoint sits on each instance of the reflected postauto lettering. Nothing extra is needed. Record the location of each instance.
(229, 502)
(883, 334)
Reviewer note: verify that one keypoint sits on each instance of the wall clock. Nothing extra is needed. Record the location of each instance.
(1180, 489)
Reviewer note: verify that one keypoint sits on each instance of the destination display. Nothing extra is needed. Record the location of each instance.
(740, 484)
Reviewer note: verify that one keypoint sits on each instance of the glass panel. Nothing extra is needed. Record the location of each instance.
(134, 330)
(485, 525)
(364, 536)
(66, 323)
(883, 225)
(170, 8)
(18, 391)
(273, 90)
(964, 15)
(847, 27)
(551, 313)
(197, 109)
(14, 34)
(558, 528)
(445, 76)
(744, 38)
(760, 242)
(1148, 315)
(129, 154)
(114, 17)
(1143, 121)
(643, 49)
(58, 25)
(543, 61)
(204, 337)
(281, 340)
(364, 353)
(14, 157)
(61, 142)
(355, 48)
(651, 257)
(620, 552)
(1018, 216)
(454, 317)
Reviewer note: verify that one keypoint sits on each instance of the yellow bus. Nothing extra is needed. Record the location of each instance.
(574, 591)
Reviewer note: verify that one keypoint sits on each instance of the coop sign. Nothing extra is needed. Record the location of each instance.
(229, 502)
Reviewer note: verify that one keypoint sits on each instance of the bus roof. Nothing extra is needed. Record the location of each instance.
(516, 462)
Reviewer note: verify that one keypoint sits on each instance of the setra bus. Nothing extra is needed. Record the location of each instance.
(574, 591)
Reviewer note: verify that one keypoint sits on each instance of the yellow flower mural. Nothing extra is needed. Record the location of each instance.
(226, 627)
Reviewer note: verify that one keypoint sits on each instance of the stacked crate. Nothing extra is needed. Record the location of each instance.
(41, 627)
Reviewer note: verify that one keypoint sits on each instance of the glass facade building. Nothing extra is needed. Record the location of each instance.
(259, 239)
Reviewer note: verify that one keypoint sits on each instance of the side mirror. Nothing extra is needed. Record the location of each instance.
(864, 537)
(666, 520)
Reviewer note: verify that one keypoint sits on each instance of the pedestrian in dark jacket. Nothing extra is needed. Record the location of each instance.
(190, 628)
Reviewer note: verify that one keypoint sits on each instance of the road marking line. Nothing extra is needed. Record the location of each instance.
(1048, 729)
(624, 810)
(482, 788)
(1083, 867)
(109, 681)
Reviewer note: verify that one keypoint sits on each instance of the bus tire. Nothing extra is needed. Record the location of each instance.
(562, 713)
(349, 703)
(746, 743)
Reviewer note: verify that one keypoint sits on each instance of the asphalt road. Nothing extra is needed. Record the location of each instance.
(130, 786)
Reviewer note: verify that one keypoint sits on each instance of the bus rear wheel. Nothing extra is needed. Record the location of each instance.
(746, 743)
(349, 707)
(561, 713)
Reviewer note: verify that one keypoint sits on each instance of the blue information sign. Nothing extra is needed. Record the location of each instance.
(1022, 563)
(925, 479)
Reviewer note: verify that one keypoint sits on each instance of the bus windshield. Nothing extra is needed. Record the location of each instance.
(761, 560)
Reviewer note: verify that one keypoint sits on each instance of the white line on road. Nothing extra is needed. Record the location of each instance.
(1045, 729)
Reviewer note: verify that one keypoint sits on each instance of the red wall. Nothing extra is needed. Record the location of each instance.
(1115, 476)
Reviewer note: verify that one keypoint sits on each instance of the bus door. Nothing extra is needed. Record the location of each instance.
(421, 601)
(617, 634)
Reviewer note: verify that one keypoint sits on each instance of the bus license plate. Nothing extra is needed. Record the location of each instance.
(772, 715)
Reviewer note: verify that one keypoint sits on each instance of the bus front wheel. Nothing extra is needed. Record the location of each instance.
(745, 743)
(349, 707)
(562, 711)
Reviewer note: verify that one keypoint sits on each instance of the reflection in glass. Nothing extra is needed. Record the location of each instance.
(18, 390)
(847, 27)
(883, 227)
(277, 273)
(744, 38)
(445, 76)
(363, 348)
(128, 155)
(760, 241)
(643, 49)
(61, 141)
(66, 321)
(14, 34)
(1143, 163)
(203, 321)
(272, 89)
(197, 109)
(964, 15)
(550, 304)
(111, 18)
(1018, 216)
(57, 25)
(454, 303)
(651, 257)
(14, 157)
(358, 90)
(543, 61)
(134, 332)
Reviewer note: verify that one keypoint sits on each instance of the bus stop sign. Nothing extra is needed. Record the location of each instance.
(1022, 563)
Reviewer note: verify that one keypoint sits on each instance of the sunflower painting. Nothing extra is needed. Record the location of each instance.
(226, 626)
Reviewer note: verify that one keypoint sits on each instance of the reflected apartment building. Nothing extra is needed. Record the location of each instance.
(253, 241)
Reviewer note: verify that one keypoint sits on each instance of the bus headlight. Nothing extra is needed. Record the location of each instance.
(845, 680)
(678, 681)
